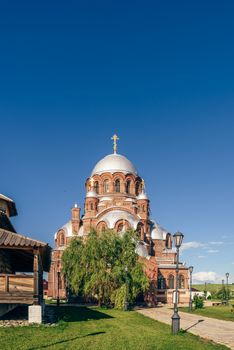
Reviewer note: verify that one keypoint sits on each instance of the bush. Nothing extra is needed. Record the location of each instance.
(209, 297)
(118, 297)
(198, 302)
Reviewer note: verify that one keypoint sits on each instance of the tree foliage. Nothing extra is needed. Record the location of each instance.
(103, 265)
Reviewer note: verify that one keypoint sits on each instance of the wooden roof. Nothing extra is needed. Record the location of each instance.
(12, 239)
(16, 241)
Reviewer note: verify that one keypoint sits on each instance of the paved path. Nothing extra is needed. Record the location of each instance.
(218, 331)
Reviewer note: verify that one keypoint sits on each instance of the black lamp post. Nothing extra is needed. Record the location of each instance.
(126, 298)
(190, 288)
(178, 238)
(227, 292)
(58, 284)
(223, 289)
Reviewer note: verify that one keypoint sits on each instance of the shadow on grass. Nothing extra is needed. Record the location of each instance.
(76, 314)
(66, 340)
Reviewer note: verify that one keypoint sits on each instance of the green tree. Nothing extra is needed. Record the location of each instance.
(105, 266)
(221, 293)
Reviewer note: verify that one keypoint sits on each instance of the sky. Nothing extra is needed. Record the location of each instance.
(160, 74)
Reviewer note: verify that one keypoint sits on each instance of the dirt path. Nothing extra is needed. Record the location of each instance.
(216, 330)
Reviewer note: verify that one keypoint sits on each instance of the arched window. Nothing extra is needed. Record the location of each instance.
(161, 282)
(140, 228)
(137, 188)
(120, 227)
(117, 185)
(168, 241)
(62, 240)
(143, 208)
(96, 187)
(171, 282)
(181, 282)
(101, 227)
(106, 186)
(128, 184)
(91, 206)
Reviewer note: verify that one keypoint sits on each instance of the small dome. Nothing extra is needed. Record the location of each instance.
(158, 232)
(67, 228)
(114, 163)
(91, 194)
(142, 195)
(141, 250)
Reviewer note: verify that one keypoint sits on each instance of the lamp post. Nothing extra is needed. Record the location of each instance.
(190, 288)
(227, 292)
(178, 238)
(58, 284)
(223, 289)
(126, 297)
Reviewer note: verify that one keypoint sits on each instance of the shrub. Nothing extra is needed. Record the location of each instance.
(119, 296)
(198, 302)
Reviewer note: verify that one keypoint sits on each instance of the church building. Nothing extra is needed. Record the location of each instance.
(116, 199)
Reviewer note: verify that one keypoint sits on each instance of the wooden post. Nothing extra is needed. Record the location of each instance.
(40, 279)
(36, 276)
(7, 284)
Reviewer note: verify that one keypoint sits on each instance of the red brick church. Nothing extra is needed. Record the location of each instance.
(116, 199)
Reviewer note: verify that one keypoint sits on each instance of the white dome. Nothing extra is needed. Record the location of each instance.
(91, 194)
(158, 232)
(113, 216)
(113, 163)
(142, 195)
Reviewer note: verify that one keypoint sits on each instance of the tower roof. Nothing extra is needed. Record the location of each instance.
(114, 163)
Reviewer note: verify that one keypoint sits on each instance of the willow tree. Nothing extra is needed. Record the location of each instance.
(105, 266)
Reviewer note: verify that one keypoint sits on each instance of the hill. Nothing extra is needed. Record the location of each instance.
(213, 288)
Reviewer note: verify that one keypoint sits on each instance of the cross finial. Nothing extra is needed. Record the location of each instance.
(115, 139)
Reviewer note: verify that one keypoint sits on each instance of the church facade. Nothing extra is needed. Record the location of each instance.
(116, 199)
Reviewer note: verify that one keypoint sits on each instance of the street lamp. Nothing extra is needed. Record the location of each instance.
(223, 289)
(190, 288)
(58, 284)
(178, 238)
(227, 292)
(126, 297)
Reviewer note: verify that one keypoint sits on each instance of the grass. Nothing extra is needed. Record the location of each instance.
(99, 329)
(219, 312)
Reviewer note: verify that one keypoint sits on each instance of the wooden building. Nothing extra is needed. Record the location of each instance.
(22, 262)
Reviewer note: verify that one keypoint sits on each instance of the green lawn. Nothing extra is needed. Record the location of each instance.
(100, 329)
(220, 312)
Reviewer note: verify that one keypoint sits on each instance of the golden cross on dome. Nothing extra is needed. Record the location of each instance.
(115, 139)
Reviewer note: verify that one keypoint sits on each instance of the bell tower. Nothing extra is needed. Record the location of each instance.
(75, 219)
(91, 207)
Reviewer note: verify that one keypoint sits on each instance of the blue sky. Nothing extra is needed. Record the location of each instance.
(160, 74)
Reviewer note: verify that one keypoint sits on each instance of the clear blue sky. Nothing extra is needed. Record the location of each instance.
(160, 74)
